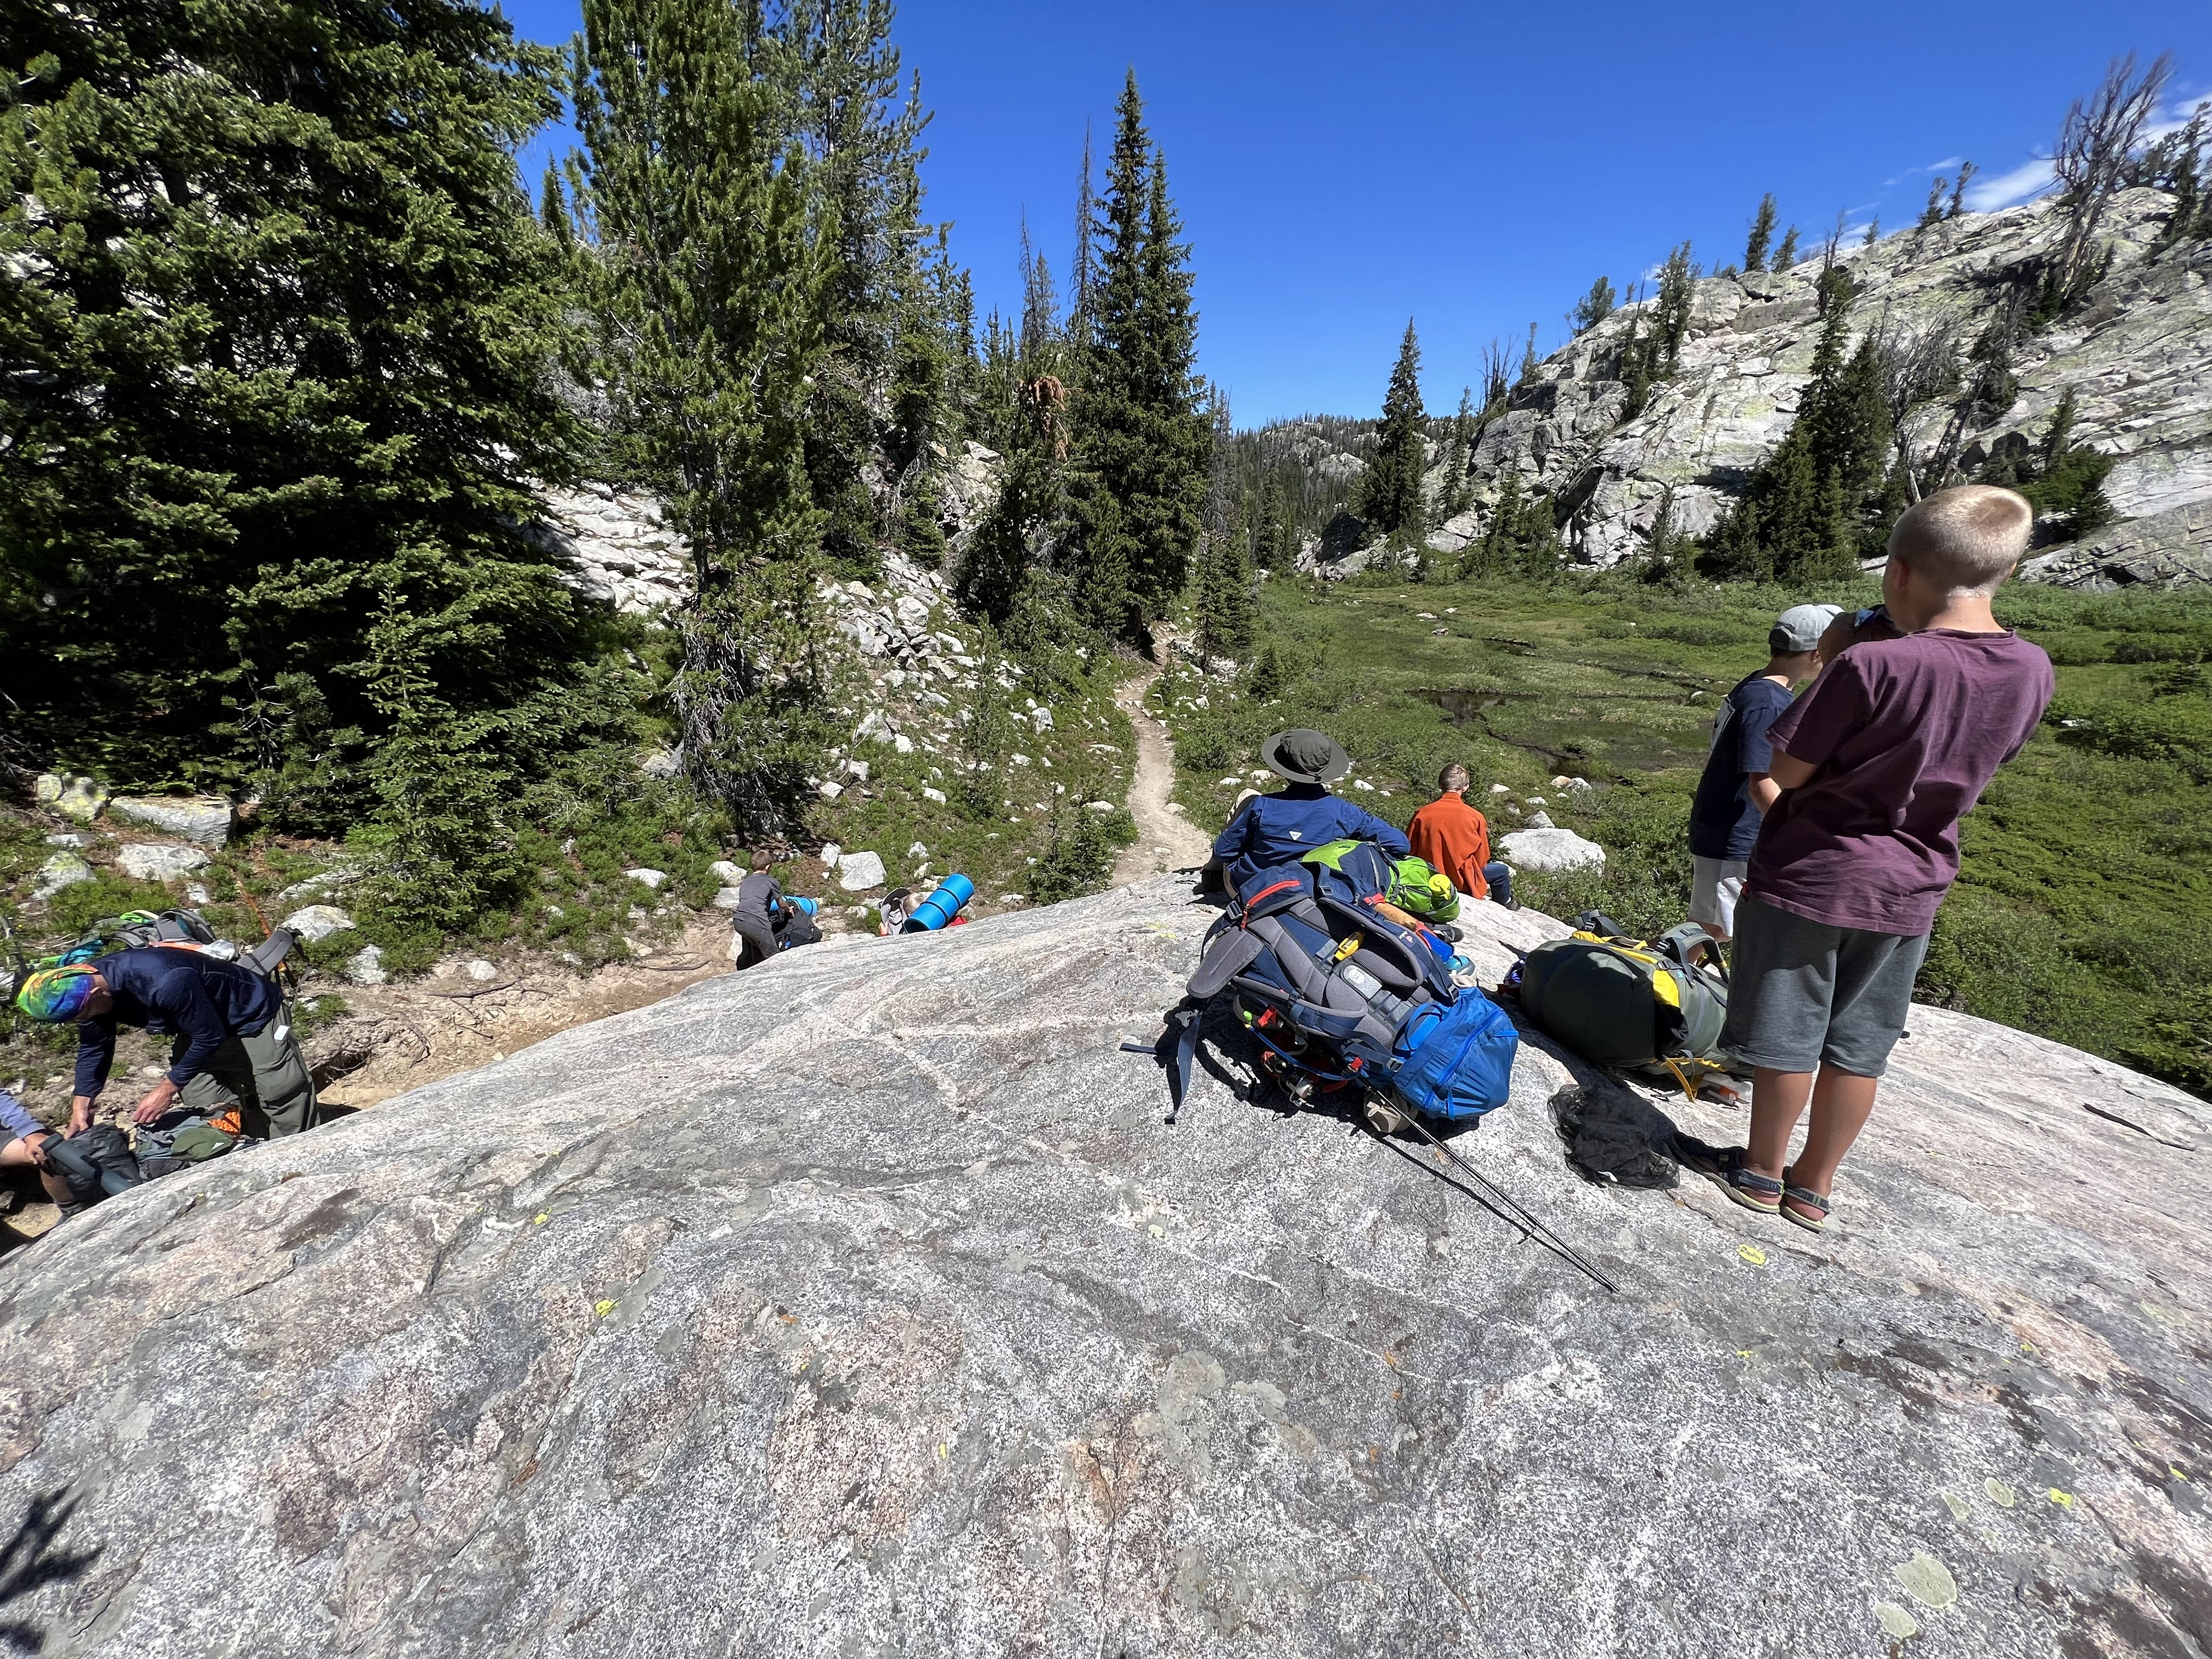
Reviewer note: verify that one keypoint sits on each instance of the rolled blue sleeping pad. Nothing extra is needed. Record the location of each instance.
(940, 907)
(812, 907)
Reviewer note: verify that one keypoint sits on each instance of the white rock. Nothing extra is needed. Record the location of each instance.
(318, 922)
(1230, 783)
(859, 768)
(902, 743)
(1550, 851)
(77, 799)
(1540, 821)
(829, 789)
(366, 966)
(202, 818)
(160, 861)
(830, 854)
(62, 870)
(659, 762)
(1499, 789)
(726, 899)
(67, 841)
(652, 878)
(1041, 719)
(482, 971)
(723, 870)
(1534, 800)
(936, 795)
(1018, 760)
(195, 894)
(859, 871)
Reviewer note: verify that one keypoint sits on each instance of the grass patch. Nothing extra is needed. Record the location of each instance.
(2083, 910)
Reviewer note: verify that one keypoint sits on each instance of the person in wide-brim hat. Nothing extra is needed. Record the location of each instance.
(1301, 755)
(1284, 827)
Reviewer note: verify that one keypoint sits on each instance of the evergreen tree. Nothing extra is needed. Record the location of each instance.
(1762, 234)
(1082, 268)
(1529, 363)
(1933, 213)
(1785, 257)
(1958, 190)
(274, 377)
(1459, 460)
(1670, 320)
(1390, 494)
(1225, 615)
(1594, 307)
(1142, 446)
(712, 293)
(553, 208)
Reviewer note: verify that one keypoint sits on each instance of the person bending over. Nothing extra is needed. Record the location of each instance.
(1876, 764)
(1284, 827)
(765, 920)
(232, 1047)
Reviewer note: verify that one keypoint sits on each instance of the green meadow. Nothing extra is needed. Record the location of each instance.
(2083, 911)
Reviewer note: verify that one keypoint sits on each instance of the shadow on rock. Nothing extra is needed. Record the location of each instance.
(31, 1560)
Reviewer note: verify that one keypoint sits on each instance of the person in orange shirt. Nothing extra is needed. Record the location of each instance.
(1454, 839)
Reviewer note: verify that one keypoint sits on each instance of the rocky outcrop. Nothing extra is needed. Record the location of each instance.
(865, 1295)
(2137, 355)
(2173, 549)
(616, 548)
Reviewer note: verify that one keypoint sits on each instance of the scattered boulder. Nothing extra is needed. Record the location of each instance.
(202, 819)
(481, 971)
(1539, 821)
(155, 860)
(1550, 852)
(722, 870)
(930, 794)
(859, 871)
(366, 966)
(663, 762)
(318, 922)
(62, 870)
(77, 799)
(652, 878)
(727, 898)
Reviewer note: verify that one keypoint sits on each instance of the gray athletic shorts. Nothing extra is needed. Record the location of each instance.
(1715, 888)
(1803, 994)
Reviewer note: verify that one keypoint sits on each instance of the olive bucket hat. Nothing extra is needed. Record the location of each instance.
(1305, 756)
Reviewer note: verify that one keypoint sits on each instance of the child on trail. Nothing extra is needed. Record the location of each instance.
(1284, 827)
(1454, 839)
(1735, 792)
(1876, 764)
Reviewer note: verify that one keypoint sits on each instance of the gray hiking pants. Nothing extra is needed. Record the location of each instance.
(267, 1080)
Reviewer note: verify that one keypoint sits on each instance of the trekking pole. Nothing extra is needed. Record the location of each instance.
(1519, 1218)
(1558, 1246)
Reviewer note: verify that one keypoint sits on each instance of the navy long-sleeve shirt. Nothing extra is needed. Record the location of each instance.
(173, 991)
(1283, 828)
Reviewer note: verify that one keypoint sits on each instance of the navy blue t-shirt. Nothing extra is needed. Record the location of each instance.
(1723, 822)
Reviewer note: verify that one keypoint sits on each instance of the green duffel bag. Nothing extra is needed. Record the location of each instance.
(1655, 1007)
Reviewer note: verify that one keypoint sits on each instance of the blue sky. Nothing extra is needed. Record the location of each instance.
(1340, 168)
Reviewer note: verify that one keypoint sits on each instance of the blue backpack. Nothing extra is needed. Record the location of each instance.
(1339, 996)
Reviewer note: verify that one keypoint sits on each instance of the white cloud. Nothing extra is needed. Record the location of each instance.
(2023, 184)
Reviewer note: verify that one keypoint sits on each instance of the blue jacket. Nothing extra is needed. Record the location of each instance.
(1281, 829)
(208, 1002)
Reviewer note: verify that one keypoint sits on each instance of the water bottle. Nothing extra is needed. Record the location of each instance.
(1392, 1009)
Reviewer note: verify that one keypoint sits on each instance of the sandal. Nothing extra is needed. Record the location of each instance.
(1724, 1167)
(1806, 1200)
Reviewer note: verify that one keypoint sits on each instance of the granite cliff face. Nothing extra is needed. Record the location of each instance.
(2137, 355)
(863, 1305)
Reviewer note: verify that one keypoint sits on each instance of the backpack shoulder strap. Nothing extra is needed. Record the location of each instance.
(1233, 952)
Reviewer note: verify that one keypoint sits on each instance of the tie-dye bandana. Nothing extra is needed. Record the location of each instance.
(54, 995)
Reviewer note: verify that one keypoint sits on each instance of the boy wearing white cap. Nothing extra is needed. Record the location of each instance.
(1734, 792)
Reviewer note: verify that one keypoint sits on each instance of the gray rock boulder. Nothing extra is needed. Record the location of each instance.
(62, 869)
(203, 820)
(1550, 851)
(2172, 548)
(366, 966)
(317, 922)
(866, 1294)
(76, 798)
(857, 872)
(160, 861)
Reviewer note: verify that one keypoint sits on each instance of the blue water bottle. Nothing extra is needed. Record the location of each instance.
(940, 907)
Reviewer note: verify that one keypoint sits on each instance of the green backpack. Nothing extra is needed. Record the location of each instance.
(1408, 883)
(1656, 1008)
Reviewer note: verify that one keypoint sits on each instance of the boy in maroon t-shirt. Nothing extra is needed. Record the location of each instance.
(1877, 764)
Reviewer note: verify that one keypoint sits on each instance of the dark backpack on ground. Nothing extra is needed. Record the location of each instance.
(1337, 996)
(1629, 1005)
(98, 1163)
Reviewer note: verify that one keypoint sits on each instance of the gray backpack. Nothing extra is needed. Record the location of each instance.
(1630, 1005)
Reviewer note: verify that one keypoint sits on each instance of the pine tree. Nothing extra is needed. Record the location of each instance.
(553, 208)
(1670, 319)
(1082, 267)
(1933, 213)
(1595, 307)
(1459, 459)
(712, 289)
(1529, 363)
(1762, 234)
(1958, 190)
(1785, 257)
(1390, 494)
(274, 378)
(1142, 446)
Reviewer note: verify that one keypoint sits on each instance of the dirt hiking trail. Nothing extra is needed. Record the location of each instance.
(1165, 839)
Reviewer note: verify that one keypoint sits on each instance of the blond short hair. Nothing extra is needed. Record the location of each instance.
(1966, 539)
